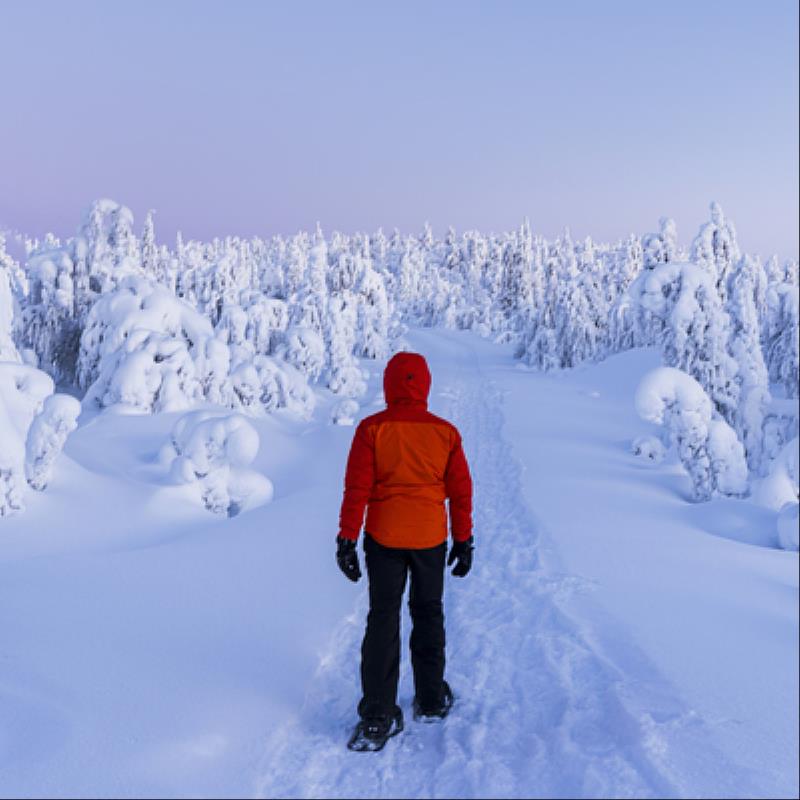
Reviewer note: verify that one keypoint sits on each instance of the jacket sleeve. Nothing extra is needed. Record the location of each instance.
(358, 483)
(458, 486)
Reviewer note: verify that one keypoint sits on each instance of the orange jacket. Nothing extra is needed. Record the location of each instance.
(404, 463)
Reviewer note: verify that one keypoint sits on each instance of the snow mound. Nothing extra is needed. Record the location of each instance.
(211, 452)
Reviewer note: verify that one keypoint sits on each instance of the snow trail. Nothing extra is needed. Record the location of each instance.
(537, 711)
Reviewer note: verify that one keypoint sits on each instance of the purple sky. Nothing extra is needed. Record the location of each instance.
(261, 118)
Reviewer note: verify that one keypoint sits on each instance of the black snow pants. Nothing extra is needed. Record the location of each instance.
(387, 568)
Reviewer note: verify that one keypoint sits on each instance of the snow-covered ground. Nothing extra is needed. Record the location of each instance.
(613, 639)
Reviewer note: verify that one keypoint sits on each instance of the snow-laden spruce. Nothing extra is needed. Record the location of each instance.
(34, 424)
(210, 453)
(707, 446)
(46, 437)
(262, 323)
(8, 313)
(715, 249)
(144, 350)
(680, 308)
(745, 284)
(782, 336)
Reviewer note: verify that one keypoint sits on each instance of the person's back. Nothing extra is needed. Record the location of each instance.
(404, 463)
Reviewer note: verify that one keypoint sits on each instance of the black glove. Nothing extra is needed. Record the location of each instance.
(347, 558)
(461, 552)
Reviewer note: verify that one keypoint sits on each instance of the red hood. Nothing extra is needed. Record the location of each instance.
(407, 379)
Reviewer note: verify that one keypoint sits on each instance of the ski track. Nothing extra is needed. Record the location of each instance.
(538, 713)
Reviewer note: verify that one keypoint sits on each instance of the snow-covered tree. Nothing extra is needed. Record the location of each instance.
(662, 247)
(707, 446)
(46, 437)
(715, 248)
(33, 425)
(781, 336)
(745, 348)
(149, 249)
(8, 311)
(211, 453)
(695, 328)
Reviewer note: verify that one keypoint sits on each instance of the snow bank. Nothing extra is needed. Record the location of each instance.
(211, 452)
(708, 447)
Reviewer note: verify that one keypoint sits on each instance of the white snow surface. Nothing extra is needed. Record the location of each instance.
(612, 640)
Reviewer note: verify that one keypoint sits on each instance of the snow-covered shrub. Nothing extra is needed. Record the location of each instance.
(648, 448)
(788, 524)
(305, 350)
(745, 348)
(139, 350)
(373, 316)
(781, 425)
(64, 281)
(659, 248)
(23, 392)
(345, 412)
(728, 462)
(782, 336)
(50, 327)
(715, 249)
(46, 437)
(212, 451)
(348, 380)
(694, 329)
(232, 325)
(245, 387)
(267, 321)
(283, 386)
(781, 484)
(8, 350)
(707, 447)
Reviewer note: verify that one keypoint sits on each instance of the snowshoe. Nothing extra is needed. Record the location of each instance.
(435, 713)
(371, 734)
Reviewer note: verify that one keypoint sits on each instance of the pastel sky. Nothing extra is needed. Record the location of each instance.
(264, 117)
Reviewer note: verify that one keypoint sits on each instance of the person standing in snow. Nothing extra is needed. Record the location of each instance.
(404, 463)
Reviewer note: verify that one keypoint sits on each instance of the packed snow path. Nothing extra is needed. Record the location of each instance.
(537, 711)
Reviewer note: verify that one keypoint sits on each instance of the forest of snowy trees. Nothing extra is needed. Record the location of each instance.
(256, 324)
